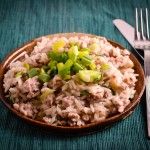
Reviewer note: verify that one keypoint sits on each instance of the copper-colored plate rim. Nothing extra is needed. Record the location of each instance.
(10, 56)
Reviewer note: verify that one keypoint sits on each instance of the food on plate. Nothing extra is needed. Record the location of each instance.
(71, 81)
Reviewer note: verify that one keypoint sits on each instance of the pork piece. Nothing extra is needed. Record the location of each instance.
(73, 116)
(120, 104)
(55, 83)
(31, 87)
(96, 97)
(67, 101)
(96, 93)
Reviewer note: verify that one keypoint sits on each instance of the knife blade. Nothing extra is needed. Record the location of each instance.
(127, 31)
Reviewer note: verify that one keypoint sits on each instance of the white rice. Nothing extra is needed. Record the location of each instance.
(70, 107)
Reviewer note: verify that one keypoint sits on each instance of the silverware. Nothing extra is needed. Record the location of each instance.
(127, 31)
(142, 41)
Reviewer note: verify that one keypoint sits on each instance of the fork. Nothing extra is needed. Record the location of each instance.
(142, 41)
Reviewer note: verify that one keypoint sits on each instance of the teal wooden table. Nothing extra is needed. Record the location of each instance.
(23, 20)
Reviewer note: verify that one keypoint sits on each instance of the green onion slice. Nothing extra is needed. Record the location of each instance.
(33, 72)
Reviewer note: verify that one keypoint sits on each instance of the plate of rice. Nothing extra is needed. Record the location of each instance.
(71, 83)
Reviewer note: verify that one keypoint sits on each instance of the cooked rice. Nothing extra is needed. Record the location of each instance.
(68, 106)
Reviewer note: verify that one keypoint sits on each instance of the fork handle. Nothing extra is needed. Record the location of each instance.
(147, 76)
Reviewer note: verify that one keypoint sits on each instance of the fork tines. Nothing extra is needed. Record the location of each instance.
(142, 35)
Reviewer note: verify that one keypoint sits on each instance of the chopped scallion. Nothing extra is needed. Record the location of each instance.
(105, 66)
(57, 56)
(94, 46)
(65, 68)
(73, 53)
(27, 66)
(82, 53)
(67, 77)
(18, 74)
(44, 77)
(32, 72)
(85, 49)
(86, 60)
(46, 93)
(89, 75)
(77, 67)
(59, 44)
(92, 66)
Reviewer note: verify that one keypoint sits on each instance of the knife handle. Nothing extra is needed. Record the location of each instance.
(147, 76)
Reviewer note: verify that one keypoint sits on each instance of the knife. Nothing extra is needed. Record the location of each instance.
(127, 31)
